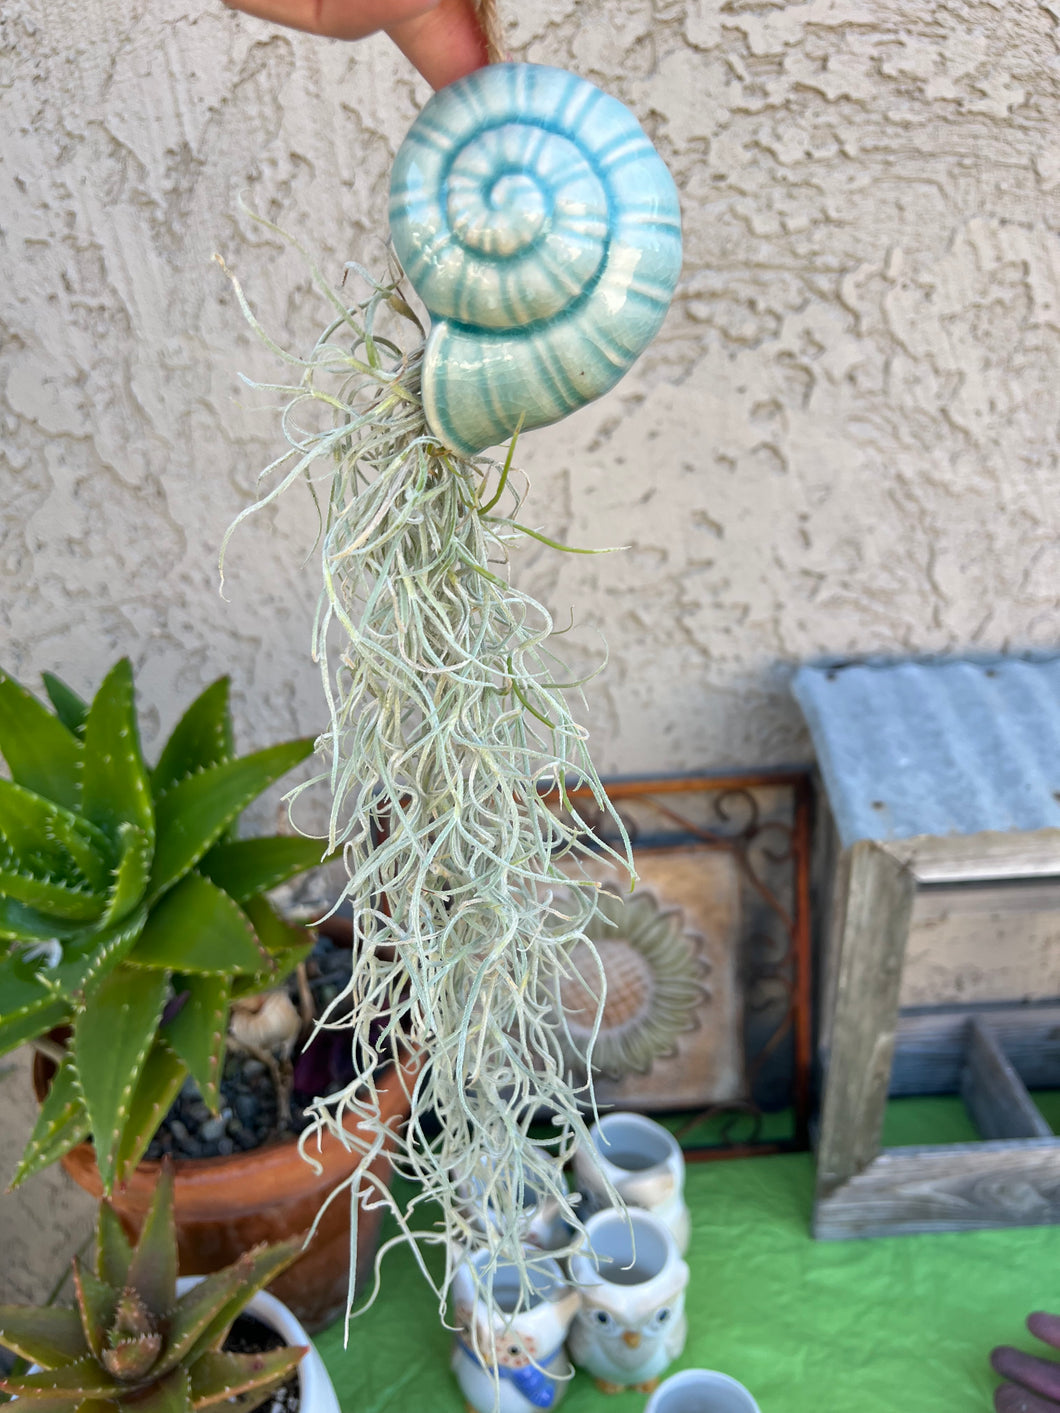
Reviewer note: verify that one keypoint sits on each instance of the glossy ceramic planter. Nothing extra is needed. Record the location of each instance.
(224, 1206)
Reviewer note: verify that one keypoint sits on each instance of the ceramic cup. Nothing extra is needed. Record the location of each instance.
(701, 1391)
(508, 1355)
(631, 1280)
(543, 1224)
(645, 1165)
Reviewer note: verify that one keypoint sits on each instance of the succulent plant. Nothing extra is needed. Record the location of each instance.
(131, 1344)
(129, 912)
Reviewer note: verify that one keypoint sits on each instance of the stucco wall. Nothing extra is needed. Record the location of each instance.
(844, 439)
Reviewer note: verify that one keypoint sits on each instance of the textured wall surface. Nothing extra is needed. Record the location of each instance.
(845, 438)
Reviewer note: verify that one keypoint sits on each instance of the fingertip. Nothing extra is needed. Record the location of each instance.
(1045, 1327)
(444, 44)
(1001, 1359)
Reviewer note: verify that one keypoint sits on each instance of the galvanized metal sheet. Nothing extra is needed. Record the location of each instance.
(938, 747)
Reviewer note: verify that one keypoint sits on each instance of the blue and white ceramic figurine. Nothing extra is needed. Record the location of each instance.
(632, 1281)
(643, 1162)
(509, 1355)
(542, 230)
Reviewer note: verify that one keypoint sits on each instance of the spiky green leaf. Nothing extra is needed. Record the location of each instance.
(286, 943)
(97, 1302)
(132, 1358)
(275, 933)
(50, 840)
(111, 1040)
(219, 1376)
(69, 707)
(196, 1314)
(129, 882)
(153, 1268)
(114, 788)
(48, 1335)
(62, 1122)
(27, 1009)
(192, 815)
(53, 897)
(21, 924)
(89, 955)
(84, 1377)
(245, 867)
(205, 1313)
(198, 928)
(40, 752)
(169, 1395)
(159, 1084)
(202, 737)
(63, 1402)
(197, 1032)
(113, 1251)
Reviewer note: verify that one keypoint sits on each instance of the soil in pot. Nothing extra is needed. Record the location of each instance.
(249, 1335)
(250, 1114)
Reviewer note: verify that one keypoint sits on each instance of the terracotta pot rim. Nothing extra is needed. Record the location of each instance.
(326, 1161)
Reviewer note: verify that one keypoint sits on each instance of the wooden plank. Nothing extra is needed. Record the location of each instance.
(871, 949)
(930, 1045)
(1010, 895)
(954, 858)
(961, 1187)
(993, 1092)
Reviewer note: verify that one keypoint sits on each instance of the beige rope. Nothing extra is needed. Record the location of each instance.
(493, 30)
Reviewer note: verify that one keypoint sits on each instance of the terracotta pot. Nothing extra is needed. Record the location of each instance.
(224, 1206)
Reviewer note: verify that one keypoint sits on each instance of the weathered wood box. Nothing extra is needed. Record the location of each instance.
(941, 783)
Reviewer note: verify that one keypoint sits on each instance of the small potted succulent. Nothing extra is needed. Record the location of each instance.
(141, 1339)
(134, 927)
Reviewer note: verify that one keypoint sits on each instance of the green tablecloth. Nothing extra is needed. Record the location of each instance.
(898, 1325)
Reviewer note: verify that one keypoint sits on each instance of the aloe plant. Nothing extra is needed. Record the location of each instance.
(129, 912)
(131, 1344)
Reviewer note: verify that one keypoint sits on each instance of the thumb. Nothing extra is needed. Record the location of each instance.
(445, 43)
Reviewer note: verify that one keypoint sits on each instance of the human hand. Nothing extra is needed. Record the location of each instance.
(442, 38)
(1034, 1385)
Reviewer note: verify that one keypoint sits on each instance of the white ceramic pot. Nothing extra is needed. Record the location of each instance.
(508, 1355)
(632, 1281)
(643, 1162)
(317, 1391)
(701, 1391)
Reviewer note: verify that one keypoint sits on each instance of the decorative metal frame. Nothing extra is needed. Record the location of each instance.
(772, 855)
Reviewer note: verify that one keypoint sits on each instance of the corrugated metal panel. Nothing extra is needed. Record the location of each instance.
(939, 747)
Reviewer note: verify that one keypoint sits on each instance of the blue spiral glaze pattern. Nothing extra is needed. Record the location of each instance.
(542, 230)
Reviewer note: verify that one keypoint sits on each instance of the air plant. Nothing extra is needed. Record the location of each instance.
(451, 752)
(131, 1346)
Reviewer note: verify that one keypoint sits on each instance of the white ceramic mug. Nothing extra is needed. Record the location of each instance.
(643, 1162)
(509, 1355)
(701, 1391)
(631, 1279)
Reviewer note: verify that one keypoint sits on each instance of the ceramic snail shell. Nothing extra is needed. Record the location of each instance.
(542, 231)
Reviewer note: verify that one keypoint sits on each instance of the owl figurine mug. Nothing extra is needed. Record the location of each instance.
(508, 1354)
(631, 1279)
(643, 1163)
